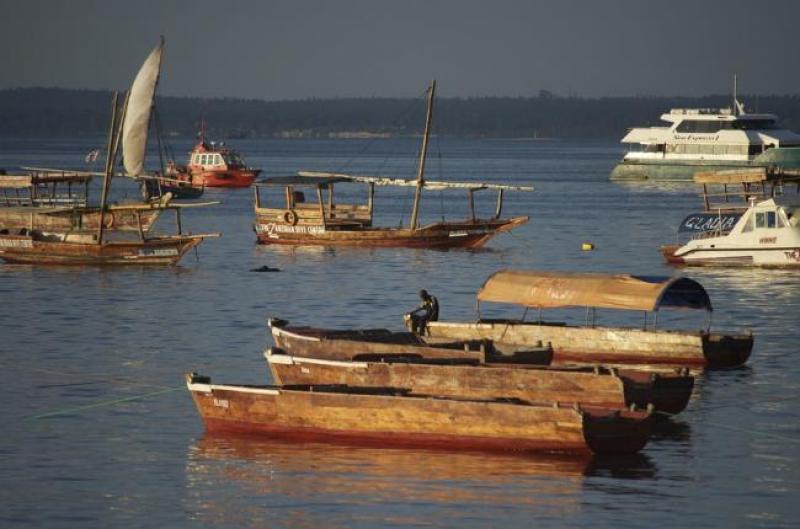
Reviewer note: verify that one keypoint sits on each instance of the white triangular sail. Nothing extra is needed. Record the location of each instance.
(137, 113)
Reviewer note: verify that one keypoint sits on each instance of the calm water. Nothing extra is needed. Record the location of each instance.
(99, 431)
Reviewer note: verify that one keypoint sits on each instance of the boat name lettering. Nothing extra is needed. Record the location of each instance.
(700, 222)
(794, 255)
(16, 243)
(767, 240)
(697, 137)
(465, 233)
(158, 252)
(221, 403)
(272, 229)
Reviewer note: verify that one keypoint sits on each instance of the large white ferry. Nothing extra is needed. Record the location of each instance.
(705, 139)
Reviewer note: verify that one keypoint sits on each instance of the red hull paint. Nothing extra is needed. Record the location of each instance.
(393, 439)
(224, 178)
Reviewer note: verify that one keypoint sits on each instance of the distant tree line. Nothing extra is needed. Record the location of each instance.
(54, 112)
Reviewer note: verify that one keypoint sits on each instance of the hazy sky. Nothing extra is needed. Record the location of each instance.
(314, 48)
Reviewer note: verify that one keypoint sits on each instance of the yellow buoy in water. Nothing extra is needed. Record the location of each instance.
(587, 246)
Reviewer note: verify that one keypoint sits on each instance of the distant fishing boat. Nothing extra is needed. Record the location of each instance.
(757, 226)
(703, 139)
(129, 126)
(213, 164)
(290, 220)
(388, 417)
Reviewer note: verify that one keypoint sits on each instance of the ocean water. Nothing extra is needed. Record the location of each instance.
(100, 431)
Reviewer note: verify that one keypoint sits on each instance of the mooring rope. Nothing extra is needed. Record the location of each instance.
(103, 403)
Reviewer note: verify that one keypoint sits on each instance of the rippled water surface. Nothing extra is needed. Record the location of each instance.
(100, 432)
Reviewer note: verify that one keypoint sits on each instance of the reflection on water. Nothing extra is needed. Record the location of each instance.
(279, 476)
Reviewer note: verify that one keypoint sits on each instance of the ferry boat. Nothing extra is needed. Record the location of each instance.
(765, 231)
(704, 139)
(213, 164)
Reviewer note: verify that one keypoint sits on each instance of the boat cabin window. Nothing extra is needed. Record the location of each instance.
(752, 124)
(710, 127)
(765, 219)
(748, 226)
(696, 148)
(706, 127)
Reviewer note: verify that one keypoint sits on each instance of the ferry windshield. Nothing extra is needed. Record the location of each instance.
(716, 126)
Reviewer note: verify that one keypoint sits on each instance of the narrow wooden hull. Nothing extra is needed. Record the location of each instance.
(440, 235)
(605, 345)
(600, 387)
(39, 218)
(384, 417)
(381, 353)
(366, 344)
(157, 251)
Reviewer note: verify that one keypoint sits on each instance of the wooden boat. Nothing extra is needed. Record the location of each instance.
(391, 417)
(34, 202)
(288, 219)
(757, 226)
(592, 343)
(130, 125)
(468, 377)
(375, 344)
(69, 249)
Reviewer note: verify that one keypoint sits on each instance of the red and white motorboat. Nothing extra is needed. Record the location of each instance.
(213, 165)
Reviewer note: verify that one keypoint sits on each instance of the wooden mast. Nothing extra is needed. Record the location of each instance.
(423, 154)
(112, 129)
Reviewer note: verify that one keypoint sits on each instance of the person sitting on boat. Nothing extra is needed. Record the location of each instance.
(427, 311)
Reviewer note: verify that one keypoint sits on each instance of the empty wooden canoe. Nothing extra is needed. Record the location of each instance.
(389, 417)
(667, 392)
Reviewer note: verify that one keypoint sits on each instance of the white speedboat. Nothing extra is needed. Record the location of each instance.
(767, 234)
(707, 139)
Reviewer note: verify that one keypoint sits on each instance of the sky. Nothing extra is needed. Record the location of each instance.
(297, 49)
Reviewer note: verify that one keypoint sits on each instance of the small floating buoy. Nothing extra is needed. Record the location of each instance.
(587, 246)
(265, 268)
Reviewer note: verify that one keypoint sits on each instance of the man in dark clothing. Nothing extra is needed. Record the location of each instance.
(427, 311)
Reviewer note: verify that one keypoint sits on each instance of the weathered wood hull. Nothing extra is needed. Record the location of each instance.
(364, 344)
(39, 218)
(605, 345)
(392, 419)
(156, 251)
(588, 387)
(668, 391)
(440, 235)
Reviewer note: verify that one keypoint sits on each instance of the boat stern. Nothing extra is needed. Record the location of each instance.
(721, 350)
(616, 432)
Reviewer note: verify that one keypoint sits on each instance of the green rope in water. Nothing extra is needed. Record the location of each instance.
(103, 403)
